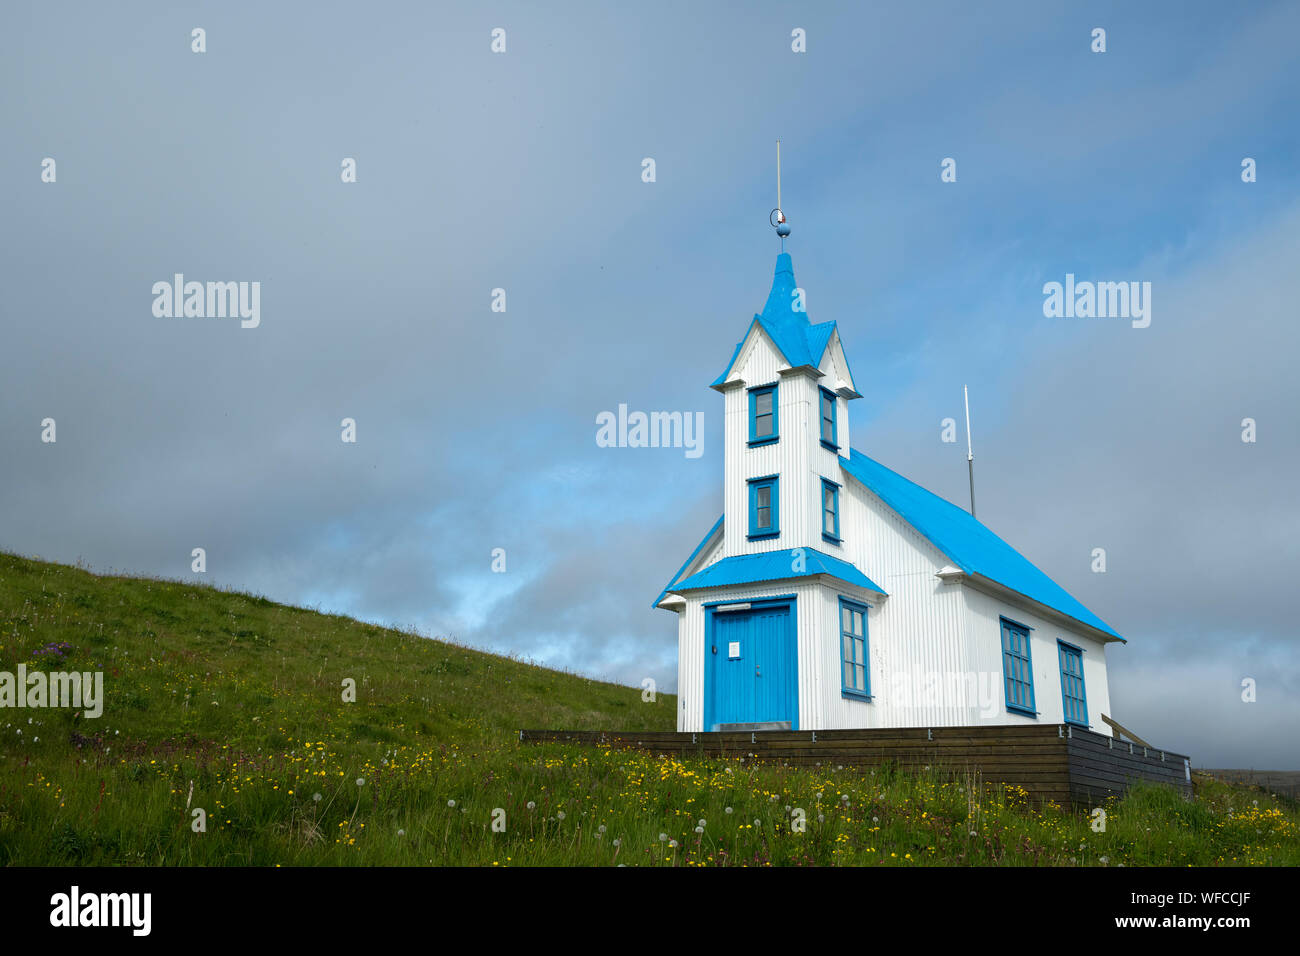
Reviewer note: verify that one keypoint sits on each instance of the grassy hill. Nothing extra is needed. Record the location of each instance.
(234, 705)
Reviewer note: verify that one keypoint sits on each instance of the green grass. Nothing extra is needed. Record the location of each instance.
(233, 704)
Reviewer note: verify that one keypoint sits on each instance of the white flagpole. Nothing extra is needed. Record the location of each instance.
(970, 455)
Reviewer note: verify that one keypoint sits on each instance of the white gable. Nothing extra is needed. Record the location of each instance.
(759, 360)
(835, 369)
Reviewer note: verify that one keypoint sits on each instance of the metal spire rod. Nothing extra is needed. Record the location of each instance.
(777, 216)
(778, 174)
(970, 455)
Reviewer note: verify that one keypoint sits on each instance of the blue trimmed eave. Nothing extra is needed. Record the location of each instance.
(687, 563)
(966, 542)
(790, 344)
(774, 566)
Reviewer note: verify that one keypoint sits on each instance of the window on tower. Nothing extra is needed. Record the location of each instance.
(830, 511)
(828, 420)
(764, 507)
(763, 425)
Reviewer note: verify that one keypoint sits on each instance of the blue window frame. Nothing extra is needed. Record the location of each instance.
(1073, 695)
(828, 419)
(830, 511)
(1017, 668)
(764, 507)
(764, 427)
(855, 672)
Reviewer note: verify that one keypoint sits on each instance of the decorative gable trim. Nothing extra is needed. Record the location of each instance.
(838, 371)
(746, 347)
(703, 551)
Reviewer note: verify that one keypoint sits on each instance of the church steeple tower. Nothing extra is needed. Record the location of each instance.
(786, 389)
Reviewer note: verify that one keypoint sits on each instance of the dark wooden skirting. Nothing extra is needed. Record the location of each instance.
(1051, 761)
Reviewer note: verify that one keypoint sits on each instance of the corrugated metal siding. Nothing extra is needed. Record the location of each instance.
(986, 640)
(760, 365)
(799, 457)
(927, 639)
(914, 633)
(714, 554)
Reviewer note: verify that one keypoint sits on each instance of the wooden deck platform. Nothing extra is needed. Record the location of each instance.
(1056, 762)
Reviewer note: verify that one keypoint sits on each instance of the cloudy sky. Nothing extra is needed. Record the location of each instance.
(522, 171)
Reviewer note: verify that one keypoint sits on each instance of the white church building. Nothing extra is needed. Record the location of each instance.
(834, 593)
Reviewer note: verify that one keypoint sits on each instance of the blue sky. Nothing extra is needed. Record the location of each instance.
(522, 171)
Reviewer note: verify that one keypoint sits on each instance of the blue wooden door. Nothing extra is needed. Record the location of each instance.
(750, 671)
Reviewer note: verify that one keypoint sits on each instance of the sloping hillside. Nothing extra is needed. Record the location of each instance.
(234, 706)
(188, 661)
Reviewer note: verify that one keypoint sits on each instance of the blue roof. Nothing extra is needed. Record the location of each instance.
(773, 566)
(965, 541)
(797, 339)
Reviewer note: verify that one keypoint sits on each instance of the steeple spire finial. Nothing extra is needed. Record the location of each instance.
(777, 217)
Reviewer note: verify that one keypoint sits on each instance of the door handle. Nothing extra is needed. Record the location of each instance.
(757, 672)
